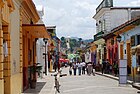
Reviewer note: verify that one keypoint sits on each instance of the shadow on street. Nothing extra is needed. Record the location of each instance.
(39, 86)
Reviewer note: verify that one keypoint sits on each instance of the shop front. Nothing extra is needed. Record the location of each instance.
(31, 32)
(100, 50)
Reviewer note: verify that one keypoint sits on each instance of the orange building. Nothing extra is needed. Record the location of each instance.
(18, 35)
(126, 30)
(30, 33)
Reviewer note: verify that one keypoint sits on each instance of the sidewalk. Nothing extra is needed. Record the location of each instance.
(43, 86)
(135, 85)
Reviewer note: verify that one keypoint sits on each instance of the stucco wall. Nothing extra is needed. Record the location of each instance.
(40, 50)
(127, 35)
(15, 48)
(16, 82)
(118, 17)
(1, 87)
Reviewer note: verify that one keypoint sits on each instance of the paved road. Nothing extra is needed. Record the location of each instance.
(92, 85)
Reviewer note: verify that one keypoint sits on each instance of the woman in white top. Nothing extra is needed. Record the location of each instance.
(79, 67)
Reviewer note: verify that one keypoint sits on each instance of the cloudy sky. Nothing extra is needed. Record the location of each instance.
(74, 17)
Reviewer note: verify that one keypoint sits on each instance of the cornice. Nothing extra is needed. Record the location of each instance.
(10, 5)
(30, 8)
(1, 3)
(100, 13)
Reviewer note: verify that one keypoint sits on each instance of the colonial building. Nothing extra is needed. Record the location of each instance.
(129, 45)
(107, 18)
(10, 47)
(42, 47)
(51, 47)
(31, 31)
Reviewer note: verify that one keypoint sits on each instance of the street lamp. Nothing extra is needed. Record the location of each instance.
(118, 38)
(45, 41)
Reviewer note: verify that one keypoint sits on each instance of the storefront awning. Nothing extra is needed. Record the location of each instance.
(37, 30)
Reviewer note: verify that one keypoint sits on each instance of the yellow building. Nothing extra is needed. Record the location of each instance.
(10, 60)
(18, 35)
(30, 33)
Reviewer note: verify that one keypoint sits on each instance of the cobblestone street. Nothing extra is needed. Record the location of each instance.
(83, 84)
(93, 84)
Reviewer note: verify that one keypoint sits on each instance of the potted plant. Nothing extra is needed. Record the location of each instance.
(33, 70)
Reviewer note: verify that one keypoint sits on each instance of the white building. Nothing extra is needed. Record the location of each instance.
(108, 18)
(40, 47)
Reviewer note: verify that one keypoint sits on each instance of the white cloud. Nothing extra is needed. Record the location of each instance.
(74, 17)
(71, 17)
(134, 3)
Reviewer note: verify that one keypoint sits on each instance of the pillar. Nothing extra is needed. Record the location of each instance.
(21, 45)
(1, 57)
(7, 65)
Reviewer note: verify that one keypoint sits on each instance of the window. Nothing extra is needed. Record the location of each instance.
(138, 39)
(132, 41)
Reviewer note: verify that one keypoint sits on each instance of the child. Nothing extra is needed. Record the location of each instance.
(70, 70)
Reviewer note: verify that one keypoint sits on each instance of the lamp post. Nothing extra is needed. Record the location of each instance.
(45, 41)
(118, 38)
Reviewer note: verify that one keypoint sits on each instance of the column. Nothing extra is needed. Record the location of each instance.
(7, 64)
(21, 43)
(1, 58)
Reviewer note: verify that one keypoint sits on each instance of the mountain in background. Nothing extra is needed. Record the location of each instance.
(84, 40)
(88, 40)
(74, 43)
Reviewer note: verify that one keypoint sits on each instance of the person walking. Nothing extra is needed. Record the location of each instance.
(87, 68)
(115, 68)
(74, 68)
(79, 68)
(90, 69)
(70, 70)
(103, 66)
(83, 67)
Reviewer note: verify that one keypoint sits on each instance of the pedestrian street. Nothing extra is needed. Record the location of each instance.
(85, 84)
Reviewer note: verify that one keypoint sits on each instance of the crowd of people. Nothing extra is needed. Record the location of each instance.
(89, 68)
(82, 68)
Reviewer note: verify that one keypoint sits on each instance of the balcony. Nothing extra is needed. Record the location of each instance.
(99, 35)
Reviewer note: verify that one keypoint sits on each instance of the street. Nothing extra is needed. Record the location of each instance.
(92, 85)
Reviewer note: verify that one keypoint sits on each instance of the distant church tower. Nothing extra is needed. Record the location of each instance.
(68, 43)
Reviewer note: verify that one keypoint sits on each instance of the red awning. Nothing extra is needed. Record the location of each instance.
(63, 60)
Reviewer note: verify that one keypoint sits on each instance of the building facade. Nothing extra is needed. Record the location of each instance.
(10, 47)
(107, 19)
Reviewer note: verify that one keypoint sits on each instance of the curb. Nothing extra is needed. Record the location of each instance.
(136, 86)
(108, 76)
(117, 78)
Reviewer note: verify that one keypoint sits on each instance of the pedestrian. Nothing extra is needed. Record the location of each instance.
(93, 72)
(103, 65)
(70, 70)
(55, 66)
(90, 69)
(83, 67)
(79, 68)
(74, 67)
(115, 68)
(87, 68)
